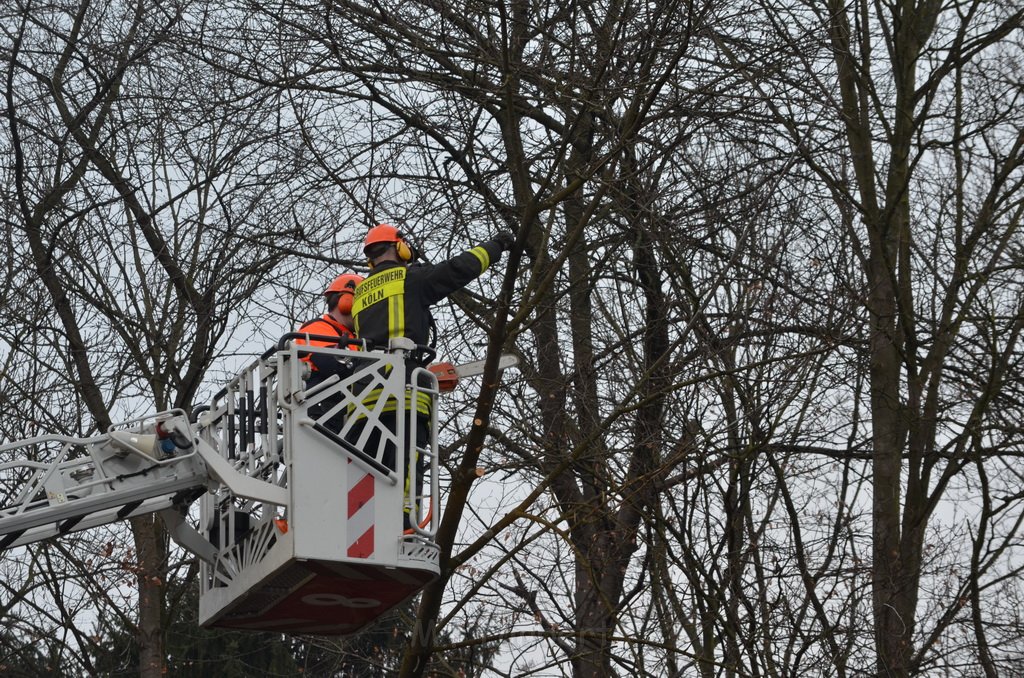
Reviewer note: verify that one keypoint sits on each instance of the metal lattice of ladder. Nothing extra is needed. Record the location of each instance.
(338, 554)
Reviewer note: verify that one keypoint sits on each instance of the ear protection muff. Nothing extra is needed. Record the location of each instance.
(346, 297)
(345, 302)
(404, 250)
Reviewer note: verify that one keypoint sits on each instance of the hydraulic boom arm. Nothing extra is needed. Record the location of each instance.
(155, 464)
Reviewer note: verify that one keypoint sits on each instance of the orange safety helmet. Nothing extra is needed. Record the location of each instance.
(345, 284)
(388, 233)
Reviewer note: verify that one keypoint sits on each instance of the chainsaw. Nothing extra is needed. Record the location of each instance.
(448, 375)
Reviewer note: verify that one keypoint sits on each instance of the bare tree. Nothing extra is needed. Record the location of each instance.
(912, 98)
(535, 120)
(151, 206)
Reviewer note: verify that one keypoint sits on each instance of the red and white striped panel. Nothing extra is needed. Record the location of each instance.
(360, 514)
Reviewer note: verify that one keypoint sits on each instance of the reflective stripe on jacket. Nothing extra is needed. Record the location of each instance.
(423, 401)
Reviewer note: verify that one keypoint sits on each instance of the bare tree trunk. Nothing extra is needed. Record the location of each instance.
(151, 551)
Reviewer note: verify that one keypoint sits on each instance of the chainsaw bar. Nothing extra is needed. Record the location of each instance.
(477, 366)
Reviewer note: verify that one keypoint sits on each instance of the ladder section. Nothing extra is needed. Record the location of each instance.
(53, 485)
(244, 424)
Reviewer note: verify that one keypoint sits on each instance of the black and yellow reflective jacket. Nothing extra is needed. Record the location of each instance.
(395, 300)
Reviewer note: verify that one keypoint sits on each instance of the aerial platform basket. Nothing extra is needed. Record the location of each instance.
(307, 522)
(354, 539)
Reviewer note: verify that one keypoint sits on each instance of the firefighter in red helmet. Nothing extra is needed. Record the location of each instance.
(395, 300)
(333, 329)
(335, 322)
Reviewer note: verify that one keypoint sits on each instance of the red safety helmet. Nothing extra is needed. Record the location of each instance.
(390, 234)
(345, 284)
